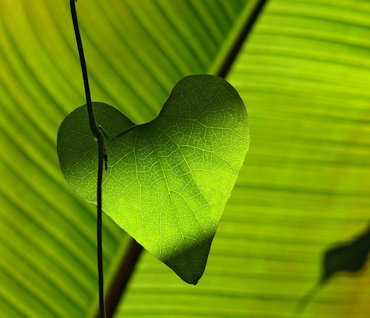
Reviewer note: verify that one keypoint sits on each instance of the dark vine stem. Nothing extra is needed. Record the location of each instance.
(99, 136)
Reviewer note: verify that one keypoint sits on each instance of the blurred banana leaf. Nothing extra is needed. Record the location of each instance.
(304, 75)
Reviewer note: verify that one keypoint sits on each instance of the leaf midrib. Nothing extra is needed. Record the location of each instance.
(220, 67)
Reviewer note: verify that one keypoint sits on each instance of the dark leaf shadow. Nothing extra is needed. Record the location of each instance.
(345, 257)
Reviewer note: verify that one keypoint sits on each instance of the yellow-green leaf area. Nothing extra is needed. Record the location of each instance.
(168, 180)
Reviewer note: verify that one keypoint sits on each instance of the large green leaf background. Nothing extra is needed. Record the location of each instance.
(304, 75)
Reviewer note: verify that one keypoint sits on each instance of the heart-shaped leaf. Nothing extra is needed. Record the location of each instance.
(167, 181)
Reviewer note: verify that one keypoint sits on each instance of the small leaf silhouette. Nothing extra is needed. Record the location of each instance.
(348, 257)
(167, 181)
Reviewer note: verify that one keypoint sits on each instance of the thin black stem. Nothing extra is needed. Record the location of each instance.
(99, 136)
(122, 277)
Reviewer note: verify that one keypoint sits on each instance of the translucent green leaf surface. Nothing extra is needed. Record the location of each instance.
(168, 180)
(136, 52)
(304, 76)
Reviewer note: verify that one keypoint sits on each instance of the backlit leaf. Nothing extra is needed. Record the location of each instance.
(168, 180)
(47, 232)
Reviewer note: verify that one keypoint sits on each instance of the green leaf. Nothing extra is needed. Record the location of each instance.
(47, 232)
(168, 180)
(304, 74)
